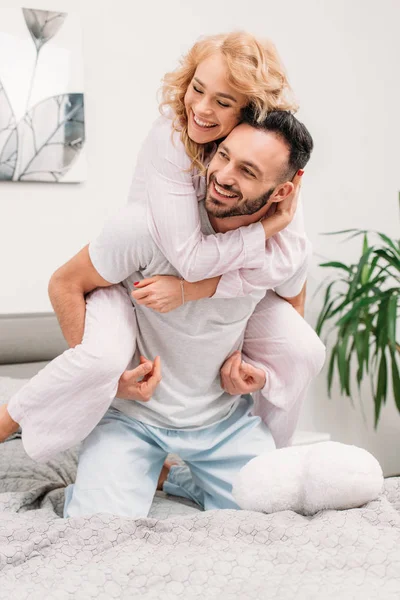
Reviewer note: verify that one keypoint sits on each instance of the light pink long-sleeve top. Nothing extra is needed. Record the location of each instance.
(243, 257)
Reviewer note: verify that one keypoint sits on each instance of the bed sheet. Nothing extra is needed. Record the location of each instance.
(182, 552)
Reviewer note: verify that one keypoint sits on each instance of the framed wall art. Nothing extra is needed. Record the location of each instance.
(42, 117)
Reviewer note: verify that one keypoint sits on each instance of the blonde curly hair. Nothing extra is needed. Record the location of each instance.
(254, 69)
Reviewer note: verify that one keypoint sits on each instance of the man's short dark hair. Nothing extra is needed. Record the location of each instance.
(291, 131)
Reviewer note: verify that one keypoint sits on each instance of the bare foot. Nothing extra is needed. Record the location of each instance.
(164, 473)
(7, 425)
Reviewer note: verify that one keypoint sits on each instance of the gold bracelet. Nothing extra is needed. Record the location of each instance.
(183, 290)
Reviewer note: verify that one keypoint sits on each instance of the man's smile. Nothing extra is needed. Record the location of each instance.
(222, 193)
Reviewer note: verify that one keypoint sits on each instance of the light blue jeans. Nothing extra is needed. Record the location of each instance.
(121, 460)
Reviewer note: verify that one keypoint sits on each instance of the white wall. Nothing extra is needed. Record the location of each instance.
(342, 58)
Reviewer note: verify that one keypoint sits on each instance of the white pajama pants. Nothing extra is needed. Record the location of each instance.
(62, 404)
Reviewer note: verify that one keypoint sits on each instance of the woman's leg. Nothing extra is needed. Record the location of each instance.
(281, 342)
(61, 405)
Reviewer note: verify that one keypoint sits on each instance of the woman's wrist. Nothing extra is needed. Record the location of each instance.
(200, 289)
(271, 226)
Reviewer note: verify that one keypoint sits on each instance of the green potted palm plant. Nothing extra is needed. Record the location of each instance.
(361, 303)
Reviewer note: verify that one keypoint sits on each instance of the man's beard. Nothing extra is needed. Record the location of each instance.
(250, 206)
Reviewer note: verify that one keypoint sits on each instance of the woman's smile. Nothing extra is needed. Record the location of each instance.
(202, 123)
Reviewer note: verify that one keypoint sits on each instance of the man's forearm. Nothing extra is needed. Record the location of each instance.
(70, 307)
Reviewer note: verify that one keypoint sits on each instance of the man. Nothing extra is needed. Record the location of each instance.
(189, 413)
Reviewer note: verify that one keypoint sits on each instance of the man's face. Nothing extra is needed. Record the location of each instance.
(244, 172)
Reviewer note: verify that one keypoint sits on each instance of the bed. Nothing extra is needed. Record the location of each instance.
(179, 551)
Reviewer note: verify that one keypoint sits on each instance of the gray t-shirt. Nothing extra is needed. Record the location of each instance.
(193, 340)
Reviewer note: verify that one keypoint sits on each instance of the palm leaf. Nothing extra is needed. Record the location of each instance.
(325, 308)
(389, 242)
(368, 327)
(357, 277)
(381, 388)
(337, 265)
(359, 231)
(395, 379)
(331, 369)
(389, 257)
(391, 321)
(361, 343)
(343, 365)
(365, 271)
(381, 325)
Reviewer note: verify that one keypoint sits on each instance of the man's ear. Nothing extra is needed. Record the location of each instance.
(282, 191)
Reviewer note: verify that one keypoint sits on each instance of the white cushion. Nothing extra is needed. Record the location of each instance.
(307, 479)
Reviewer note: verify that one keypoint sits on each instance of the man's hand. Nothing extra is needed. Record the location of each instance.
(129, 388)
(238, 377)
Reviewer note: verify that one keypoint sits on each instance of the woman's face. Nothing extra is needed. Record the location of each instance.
(213, 107)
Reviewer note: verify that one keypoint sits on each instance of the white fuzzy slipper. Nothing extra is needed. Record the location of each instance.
(307, 479)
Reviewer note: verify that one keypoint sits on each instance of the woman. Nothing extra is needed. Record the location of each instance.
(205, 97)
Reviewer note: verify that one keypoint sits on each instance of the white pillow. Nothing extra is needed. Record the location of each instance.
(307, 479)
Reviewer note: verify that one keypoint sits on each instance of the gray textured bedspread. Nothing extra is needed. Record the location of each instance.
(181, 552)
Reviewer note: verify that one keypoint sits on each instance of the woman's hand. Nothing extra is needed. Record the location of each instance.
(129, 388)
(285, 210)
(162, 293)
